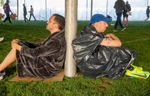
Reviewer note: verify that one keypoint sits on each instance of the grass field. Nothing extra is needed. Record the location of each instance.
(135, 37)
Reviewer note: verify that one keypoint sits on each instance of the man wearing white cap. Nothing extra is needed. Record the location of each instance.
(100, 55)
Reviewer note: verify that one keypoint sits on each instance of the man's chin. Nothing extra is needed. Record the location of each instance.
(46, 28)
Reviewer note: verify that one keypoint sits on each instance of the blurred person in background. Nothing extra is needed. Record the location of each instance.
(147, 13)
(7, 11)
(125, 15)
(25, 13)
(32, 13)
(119, 7)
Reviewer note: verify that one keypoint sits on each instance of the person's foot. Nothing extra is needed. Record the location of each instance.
(2, 73)
(2, 23)
(123, 29)
(112, 24)
(1, 39)
(137, 72)
(114, 30)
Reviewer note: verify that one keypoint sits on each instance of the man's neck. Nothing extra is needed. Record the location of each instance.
(54, 31)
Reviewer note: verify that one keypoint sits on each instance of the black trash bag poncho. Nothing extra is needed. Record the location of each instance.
(95, 60)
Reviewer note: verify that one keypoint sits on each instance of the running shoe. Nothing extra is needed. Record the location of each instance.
(136, 68)
(123, 29)
(114, 30)
(2, 73)
(1, 39)
(137, 73)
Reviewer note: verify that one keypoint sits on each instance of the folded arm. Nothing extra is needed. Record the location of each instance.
(111, 40)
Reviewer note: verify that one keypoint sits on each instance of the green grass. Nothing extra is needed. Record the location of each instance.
(135, 37)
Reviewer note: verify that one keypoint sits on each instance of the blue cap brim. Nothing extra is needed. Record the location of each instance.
(100, 17)
(108, 20)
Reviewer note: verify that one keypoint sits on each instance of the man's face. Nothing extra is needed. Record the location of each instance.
(50, 23)
(101, 26)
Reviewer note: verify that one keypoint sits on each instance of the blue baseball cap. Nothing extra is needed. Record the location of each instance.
(99, 17)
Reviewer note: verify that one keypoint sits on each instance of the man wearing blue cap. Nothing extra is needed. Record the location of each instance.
(100, 55)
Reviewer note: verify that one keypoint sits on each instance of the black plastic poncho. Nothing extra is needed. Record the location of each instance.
(95, 60)
(42, 60)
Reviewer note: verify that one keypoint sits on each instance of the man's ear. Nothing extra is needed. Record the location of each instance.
(56, 25)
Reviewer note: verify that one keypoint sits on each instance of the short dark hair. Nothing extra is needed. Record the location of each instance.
(60, 20)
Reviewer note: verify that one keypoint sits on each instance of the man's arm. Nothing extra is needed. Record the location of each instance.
(44, 50)
(14, 44)
(111, 40)
(115, 5)
(124, 6)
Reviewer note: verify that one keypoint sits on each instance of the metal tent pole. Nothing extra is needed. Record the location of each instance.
(17, 9)
(107, 7)
(86, 8)
(91, 8)
(46, 9)
(70, 34)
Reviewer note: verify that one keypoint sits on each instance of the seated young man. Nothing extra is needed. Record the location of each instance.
(41, 60)
(100, 55)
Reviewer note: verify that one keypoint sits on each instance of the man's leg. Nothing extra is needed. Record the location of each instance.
(34, 18)
(30, 17)
(6, 18)
(147, 17)
(127, 21)
(9, 19)
(9, 59)
(24, 18)
(119, 19)
(123, 22)
(116, 23)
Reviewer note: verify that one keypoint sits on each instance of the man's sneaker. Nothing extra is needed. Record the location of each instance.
(137, 72)
(136, 68)
(2, 73)
(115, 30)
(123, 29)
(1, 39)
(112, 24)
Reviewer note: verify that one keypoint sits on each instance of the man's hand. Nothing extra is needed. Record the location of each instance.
(14, 44)
(128, 13)
(111, 40)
